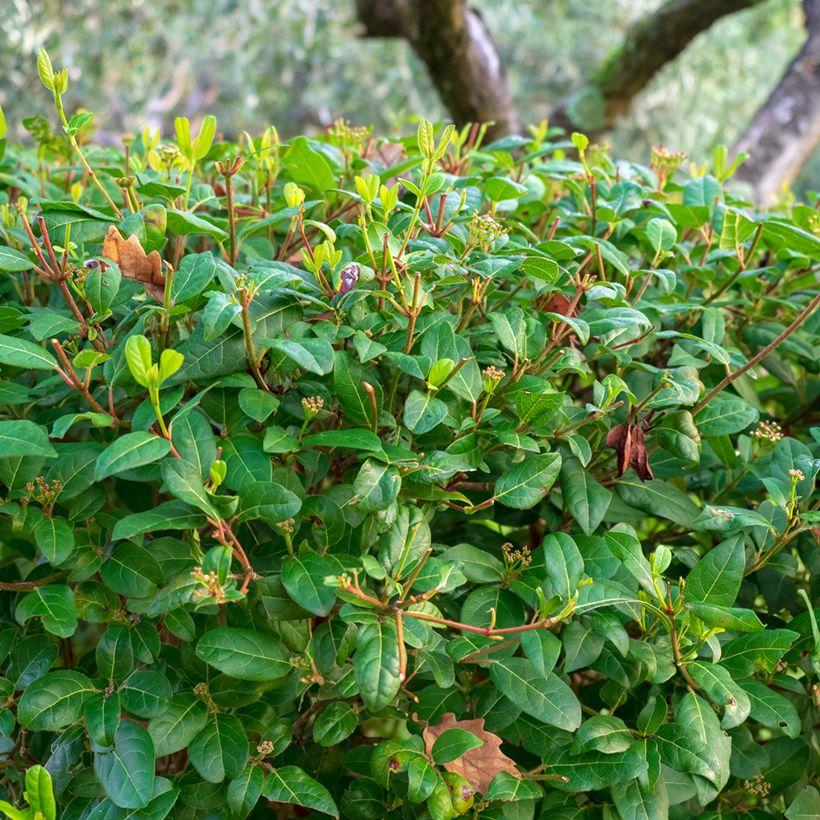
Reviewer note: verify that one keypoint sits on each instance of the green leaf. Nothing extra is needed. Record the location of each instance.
(478, 565)
(584, 498)
(102, 717)
(661, 235)
(564, 563)
(547, 699)
(269, 502)
(376, 664)
(349, 378)
(541, 648)
(39, 793)
(12, 261)
(102, 286)
(184, 717)
(114, 653)
(508, 787)
(130, 451)
(126, 773)
(257, 404)
(761, 650)
(304, 579)
(289, 784)
(716, 578)
(723, 691)
(501, 188)
(376, 486)
(423, 411)
(307, 167)
(527, 482)
(771, 708)
(244, 653)
(55, 539)
(347, 439)
(244, 792)
(204, 139)
(29, 356)
(537, 409)
(220, 750)
(635, 801)
(182, 479)
(54, 605)
(725, 415)
(592, 771)
(194, 274)
(454, 743)
(146, 693)
(132, 571)
(422, 779)
(602, 733)
(24, 438)
(658, 498)
(806, 806)
(627, 549)
(170, 515)
(54, 701)
(184, 223)
(139, 359)
(313, 355)
(740, 620)
(335, 723)
(786, 235)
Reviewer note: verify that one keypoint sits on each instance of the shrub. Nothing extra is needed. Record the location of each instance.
(403, 480)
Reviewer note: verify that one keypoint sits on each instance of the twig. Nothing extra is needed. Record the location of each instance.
(801, 317)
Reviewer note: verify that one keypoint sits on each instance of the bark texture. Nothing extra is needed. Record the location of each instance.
(650, 44)
(452, 41)
(786, 128)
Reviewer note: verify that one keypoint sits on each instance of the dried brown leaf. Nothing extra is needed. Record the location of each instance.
(628, 442)
(479, 765)
(134, 263)
(620, 440)
(639, 458)
(385, 154)
(558, 303)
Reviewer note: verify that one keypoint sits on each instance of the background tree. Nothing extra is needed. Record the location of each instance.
(300, 64)
(786, 129)
(452, 40)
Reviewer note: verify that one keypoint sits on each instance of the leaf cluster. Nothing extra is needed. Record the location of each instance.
(421, 478)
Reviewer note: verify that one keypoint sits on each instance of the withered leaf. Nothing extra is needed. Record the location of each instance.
(639, 458)
(479, 765)
(385, 154)
(134, 263)
(628, 442)
(558, 303)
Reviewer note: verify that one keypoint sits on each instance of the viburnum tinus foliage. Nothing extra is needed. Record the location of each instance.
(399, 479)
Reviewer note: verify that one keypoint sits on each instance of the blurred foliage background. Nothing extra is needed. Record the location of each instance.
(300, 64)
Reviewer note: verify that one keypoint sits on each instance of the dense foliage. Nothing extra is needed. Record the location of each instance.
(379, 480)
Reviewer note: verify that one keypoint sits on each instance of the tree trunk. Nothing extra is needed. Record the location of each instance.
(786, 128)
(649, 45)
(452, 41)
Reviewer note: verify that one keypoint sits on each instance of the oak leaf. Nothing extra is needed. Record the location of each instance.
(134, 263)
(479, 765)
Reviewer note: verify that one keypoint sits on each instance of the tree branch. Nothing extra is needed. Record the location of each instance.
(649, 45)
(786, 128)
(451, 39)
